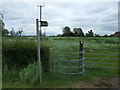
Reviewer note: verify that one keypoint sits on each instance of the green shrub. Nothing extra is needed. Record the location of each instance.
(45, 57)
(19, 53)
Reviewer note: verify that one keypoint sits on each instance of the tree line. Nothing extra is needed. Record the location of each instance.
(77, 32)
(6, 32)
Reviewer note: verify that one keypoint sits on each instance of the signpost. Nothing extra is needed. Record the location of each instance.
(38, 49)
(42, 24)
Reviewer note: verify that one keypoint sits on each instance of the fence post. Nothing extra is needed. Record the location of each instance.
(81, 57)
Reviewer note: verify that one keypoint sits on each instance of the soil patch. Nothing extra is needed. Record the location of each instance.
(97, 82)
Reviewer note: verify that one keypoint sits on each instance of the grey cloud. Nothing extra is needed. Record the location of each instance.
(97, 16)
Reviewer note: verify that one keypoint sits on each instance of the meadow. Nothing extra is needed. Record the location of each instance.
(26, 76)
(102, 49)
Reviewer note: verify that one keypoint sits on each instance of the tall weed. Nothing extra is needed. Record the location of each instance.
(30, 74)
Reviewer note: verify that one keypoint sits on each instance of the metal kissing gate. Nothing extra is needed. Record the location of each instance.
(70, 61)
(76, 61)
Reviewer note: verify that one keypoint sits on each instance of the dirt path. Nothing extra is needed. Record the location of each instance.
(98, 82)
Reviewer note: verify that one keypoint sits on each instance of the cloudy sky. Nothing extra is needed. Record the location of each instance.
(101, 17)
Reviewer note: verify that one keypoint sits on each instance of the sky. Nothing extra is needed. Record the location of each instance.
(101, 17)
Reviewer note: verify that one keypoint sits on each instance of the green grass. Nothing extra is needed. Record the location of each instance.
(49, 80)
(72, 43)
(54, 79)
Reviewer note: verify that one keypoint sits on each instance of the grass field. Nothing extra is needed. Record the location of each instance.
(54, 79)
(92, 43)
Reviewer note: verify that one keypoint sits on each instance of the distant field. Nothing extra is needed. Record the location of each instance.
(54, 79)
(90, 42)
(72, 43)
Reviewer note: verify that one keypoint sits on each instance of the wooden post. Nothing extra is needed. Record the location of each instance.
(81, 56)
(38, 50)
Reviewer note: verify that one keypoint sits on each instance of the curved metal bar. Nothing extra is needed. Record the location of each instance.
(70, 73)
(73, 53)
(70, 60)
(69, 67)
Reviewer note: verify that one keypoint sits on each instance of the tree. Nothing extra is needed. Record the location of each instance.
(78, 32)
(97, 35)
(59, 35)
(66, 31)
(17, 33)
(71, 34)
(20, 31)
(90, 34)
(5, 32)
(12, 32)
(75, 32)
(105, 35)
(2, 25)
(87, 35)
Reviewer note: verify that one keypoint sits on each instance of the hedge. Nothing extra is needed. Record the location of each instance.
(21, 53)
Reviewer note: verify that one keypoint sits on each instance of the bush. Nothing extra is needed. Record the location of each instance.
(45, 57)
(20, 53)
